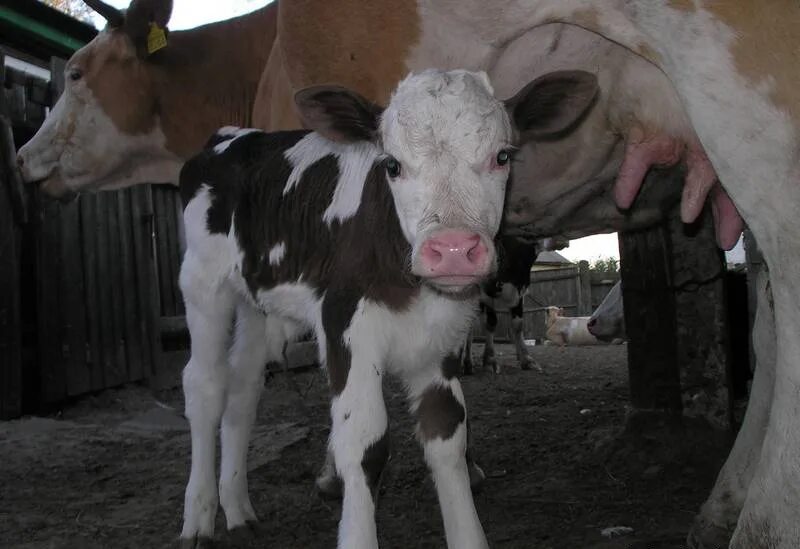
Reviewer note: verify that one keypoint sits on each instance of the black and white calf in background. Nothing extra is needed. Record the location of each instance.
(506, 290)
(373, 232)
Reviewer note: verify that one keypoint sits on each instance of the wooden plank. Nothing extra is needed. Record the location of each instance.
(73, 302)
(51, 369)
(146, 281)
(162, 253)
(104, 312)
(650, 320)
(176, 250)
(132, 337)
(89, 229)
(10, 313)
(584, 289)
(118, 372)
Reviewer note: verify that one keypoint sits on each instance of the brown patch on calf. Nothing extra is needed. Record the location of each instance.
(337, 312)
(440, 413)
(683, 5)
(451, 365)
(360, 45)
(767, 46)
(374, 461)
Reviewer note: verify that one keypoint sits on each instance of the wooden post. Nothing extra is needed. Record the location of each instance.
(650, 320)
(698, 278)
(10, 317)
(584, 289)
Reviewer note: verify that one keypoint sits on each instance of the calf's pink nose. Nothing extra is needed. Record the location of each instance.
(454, 253)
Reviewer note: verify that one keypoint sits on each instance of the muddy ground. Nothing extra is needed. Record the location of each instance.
(109, 470)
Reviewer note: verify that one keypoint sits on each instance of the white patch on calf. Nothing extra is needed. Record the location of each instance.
(276, 254)
(354, 161)
(235, 134)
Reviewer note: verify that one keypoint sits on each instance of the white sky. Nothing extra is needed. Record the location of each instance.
(192, 13)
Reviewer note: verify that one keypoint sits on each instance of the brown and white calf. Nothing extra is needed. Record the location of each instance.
(374, 232)
(567, 330)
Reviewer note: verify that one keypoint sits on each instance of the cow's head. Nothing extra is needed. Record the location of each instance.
(447, 148)
(104, 131)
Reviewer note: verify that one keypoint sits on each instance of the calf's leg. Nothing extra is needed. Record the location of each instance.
(517, 327)
(489, 359)
(438, 402)
(209, 314)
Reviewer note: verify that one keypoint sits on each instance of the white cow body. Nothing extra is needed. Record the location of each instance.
(567, 330)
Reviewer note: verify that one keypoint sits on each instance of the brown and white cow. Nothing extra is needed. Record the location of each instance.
(129, 116)
(691, 78)
(567, 330)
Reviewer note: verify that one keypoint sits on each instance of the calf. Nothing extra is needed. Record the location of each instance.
(374, 233)
(567, 330)
(607, 322)
(506, 290)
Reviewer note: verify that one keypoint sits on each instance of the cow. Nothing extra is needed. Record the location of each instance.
(129, 115)
(566, 330)
(695, 83)
(607, 322)
(708, 84)
(374, 231)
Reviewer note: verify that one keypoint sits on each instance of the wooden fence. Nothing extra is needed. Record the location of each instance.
(575, 289)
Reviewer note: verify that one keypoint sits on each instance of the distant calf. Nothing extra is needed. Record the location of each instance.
(607, 322)
(375, 233)
(506, 291)
(567, 330)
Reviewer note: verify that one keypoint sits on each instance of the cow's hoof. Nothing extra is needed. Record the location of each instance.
(199, 542)
(705, 535)
(329, 486)
(476, 476)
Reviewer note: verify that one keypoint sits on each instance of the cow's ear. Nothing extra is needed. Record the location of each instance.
(338, 113)
(553, 104)
(146, 24)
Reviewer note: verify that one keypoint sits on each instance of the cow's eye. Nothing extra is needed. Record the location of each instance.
(393, 167)
(75, 74)
(503, 157)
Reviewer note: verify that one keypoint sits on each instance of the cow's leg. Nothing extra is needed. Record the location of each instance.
(257, 339)
(518, 333)
(489, 359)
(716, 521)
(769, 517)
(209, 315)
(438, 402)
(359, 433)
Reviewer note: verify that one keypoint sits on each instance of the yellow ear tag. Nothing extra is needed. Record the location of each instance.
(156, 39)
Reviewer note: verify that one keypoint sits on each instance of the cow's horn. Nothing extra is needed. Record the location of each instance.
(109, 13)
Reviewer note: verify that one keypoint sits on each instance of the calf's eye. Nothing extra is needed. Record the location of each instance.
(75, 74)
(392, 167)
(503, 157)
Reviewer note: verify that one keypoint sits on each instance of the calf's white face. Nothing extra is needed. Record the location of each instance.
(447, 146)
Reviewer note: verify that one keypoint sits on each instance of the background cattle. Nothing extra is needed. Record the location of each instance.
(607, 322)
(567, 330)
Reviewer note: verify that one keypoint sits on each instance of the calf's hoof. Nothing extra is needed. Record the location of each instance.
(476, 476)
(530, 364)
(329, 486)
(199, 542)
(243, 534)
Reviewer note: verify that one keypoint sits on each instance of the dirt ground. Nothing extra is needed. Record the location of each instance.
(109, 471)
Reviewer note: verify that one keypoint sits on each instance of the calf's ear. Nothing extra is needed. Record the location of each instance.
(338, 113)
(553, 104)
